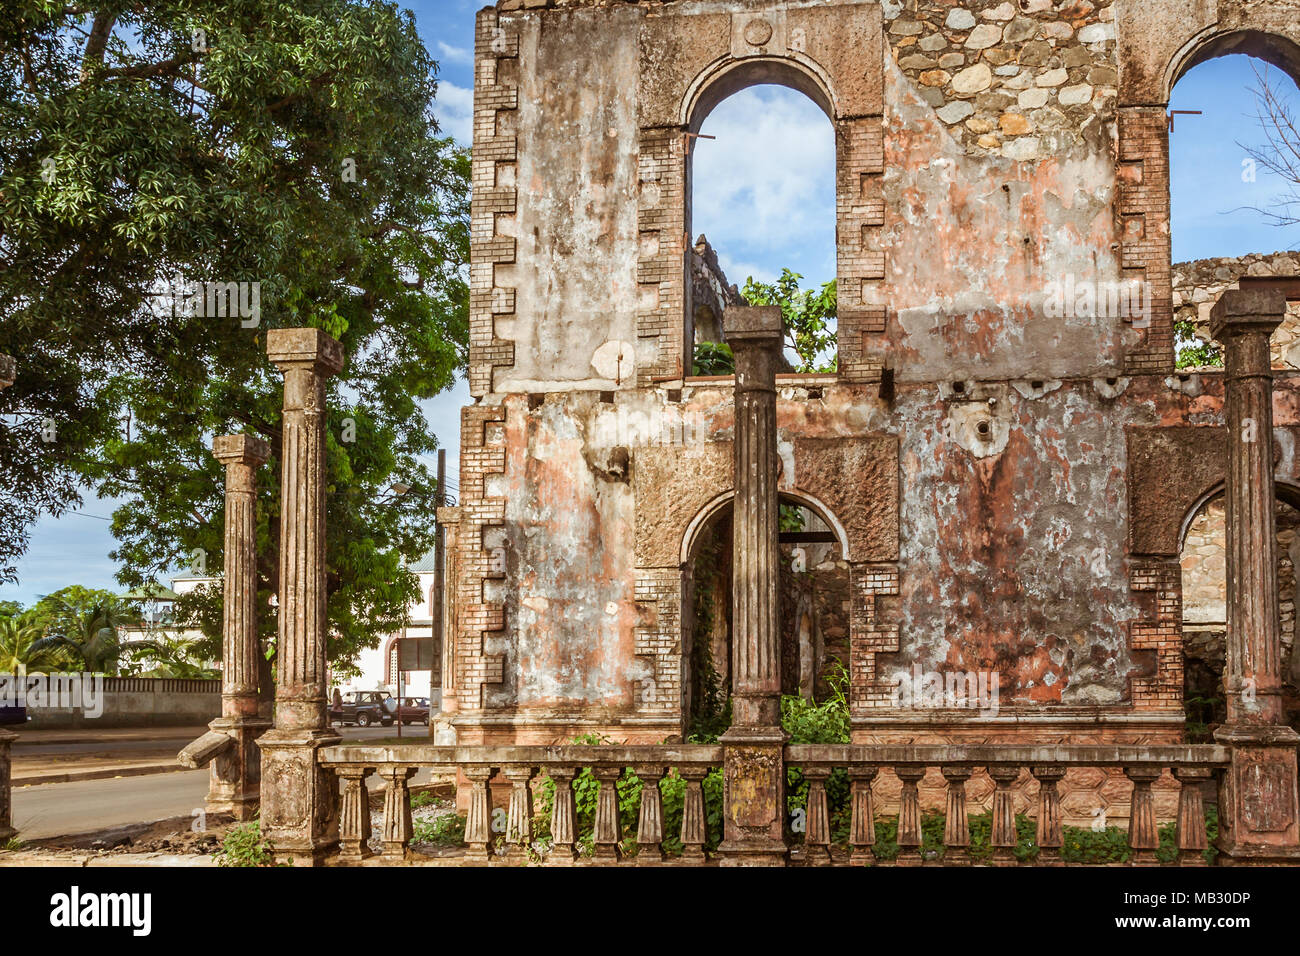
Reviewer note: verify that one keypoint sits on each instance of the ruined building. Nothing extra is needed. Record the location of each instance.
(1005, 485)
(998, 484)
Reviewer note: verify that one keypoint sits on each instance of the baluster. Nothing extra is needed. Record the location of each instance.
(354, 815)
(650, 820)
(817, 839)
(1004, 838)
(909, 816)
(1049, 836)
(694, 828)
(1142, 834)
(609, 829)
(478, 823)
(862, 827)
(564, 849)
(519, 822)
(1192, 837)
(397, 811)
(956, 828)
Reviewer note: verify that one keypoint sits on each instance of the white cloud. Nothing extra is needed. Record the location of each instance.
(455, 111)
(455, 54)
(764, 190)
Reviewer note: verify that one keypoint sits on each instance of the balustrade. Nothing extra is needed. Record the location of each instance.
(504, 785)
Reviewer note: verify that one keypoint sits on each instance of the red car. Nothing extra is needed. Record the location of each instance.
(414, 710)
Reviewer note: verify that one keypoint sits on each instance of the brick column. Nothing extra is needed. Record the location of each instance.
(237, 772)
(300, 801)
(754, 768)
(1259, 815)
(8, 375)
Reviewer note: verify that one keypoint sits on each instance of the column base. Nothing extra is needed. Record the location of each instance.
(754, 798)
(300, 801)
(7, 832)
(236, 787)
(1259, 812)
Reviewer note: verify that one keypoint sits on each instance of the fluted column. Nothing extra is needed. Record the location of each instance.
(1244, 322)
(8, 375)
(1260, 815)
(300, 801)
(754, 335)
(862, 827)
(650, 818)
(236, 772)
(564, 838)
(1003, 836)
(1049, 833)
(956, 827)
(1143, 837)
(754, 771)
(354, 819)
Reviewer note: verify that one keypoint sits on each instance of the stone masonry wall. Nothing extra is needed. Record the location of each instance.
(1198, 284)
(1023, 81)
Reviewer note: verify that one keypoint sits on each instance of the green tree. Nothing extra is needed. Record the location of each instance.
(1192, 351)
(172, 657)
(288, 143)
(807, 317)
(89, 634)
(18, 651)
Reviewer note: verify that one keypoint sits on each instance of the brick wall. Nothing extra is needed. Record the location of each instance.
(496, 98)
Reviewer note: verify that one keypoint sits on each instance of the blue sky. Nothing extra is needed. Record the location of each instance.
(764, 195)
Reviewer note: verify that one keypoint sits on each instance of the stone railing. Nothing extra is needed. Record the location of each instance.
(520, 769)
(1191, 766)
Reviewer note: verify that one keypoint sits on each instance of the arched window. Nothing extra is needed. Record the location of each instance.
(761, 200)
(1228, 115)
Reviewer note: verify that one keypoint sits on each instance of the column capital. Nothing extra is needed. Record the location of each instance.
(8, 371)
(305, 348)
(240, 450)
(1242, 311)
(752, 324)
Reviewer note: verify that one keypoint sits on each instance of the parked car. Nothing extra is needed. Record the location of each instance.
(414, 710)
(363, 708)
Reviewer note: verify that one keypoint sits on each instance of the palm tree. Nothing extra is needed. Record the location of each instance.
(19, 654)
(174, 657)
(90, 634)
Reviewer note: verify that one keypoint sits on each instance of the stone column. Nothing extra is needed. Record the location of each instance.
(754, 767)
(237, 772)
(442, 728)
(1259, 815)
(8, 374)
(300, 800)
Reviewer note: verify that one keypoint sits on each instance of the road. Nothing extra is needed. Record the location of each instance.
(60, 809)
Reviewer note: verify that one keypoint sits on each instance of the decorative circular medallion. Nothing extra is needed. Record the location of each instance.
(758, 32)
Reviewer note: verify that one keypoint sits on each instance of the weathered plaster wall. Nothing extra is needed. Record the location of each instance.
(575, 281)
(1007, 483)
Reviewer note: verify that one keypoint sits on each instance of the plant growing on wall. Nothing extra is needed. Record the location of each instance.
(808, 317)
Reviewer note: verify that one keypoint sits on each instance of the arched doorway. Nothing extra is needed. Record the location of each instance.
(813, 599)
(1203, 560)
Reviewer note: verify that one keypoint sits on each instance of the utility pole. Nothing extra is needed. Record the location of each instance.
(439, 570)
